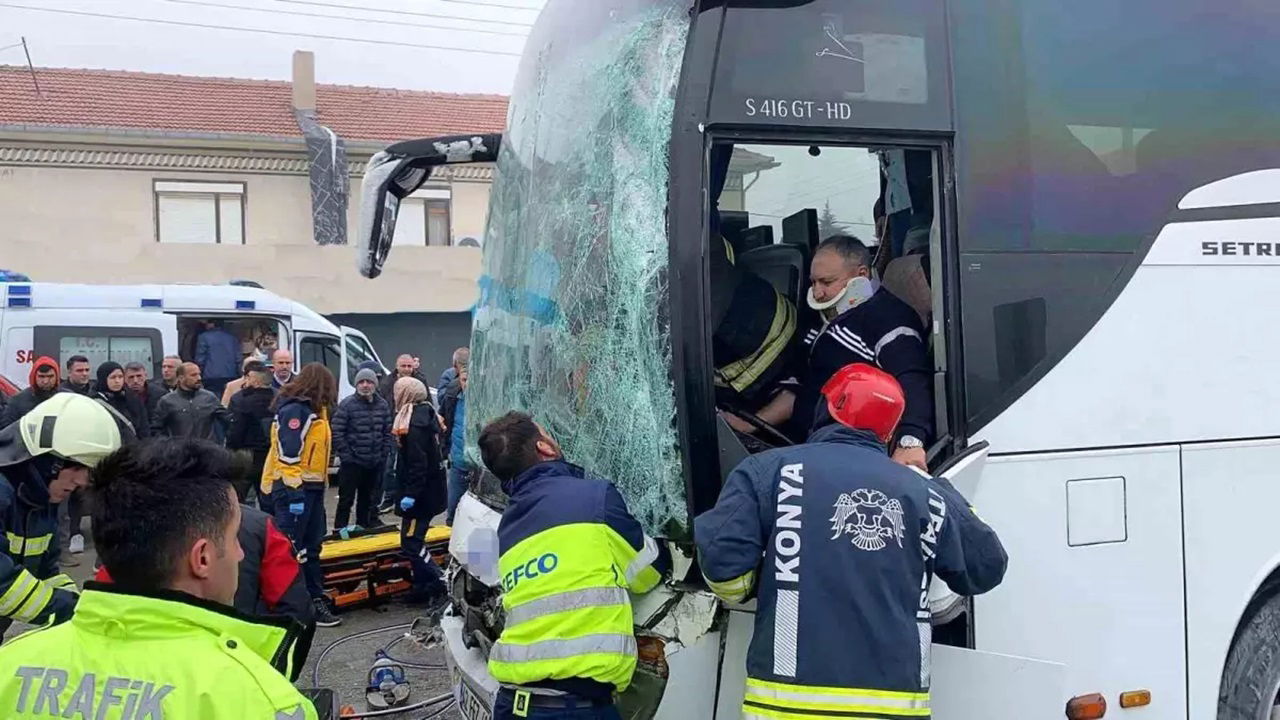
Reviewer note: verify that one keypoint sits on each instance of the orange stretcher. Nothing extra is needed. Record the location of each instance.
(368, 568)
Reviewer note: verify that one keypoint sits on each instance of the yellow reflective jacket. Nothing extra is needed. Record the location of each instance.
(569, 553)
(300, 447)
(167, 655)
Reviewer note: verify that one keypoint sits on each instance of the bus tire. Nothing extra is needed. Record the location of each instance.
(1251, 678)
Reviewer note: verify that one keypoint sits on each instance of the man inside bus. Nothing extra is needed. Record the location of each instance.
(861, 322)
(751, 345)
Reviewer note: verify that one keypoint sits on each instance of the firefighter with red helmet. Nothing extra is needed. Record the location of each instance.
(839, 545)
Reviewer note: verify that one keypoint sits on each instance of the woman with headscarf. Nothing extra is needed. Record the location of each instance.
(296, 469)
(420, 467)
(111, 390)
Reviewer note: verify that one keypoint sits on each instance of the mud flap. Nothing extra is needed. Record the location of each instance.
(976, 685)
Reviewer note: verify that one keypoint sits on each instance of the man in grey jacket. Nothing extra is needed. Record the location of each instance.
(190, 411)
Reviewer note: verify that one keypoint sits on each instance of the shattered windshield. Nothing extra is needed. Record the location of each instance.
(571, 322)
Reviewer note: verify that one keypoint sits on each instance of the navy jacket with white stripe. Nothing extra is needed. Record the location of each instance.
(885, 332)
(839, 543)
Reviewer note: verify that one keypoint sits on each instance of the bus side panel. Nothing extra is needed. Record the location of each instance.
(1095, 577)
(1231, 492)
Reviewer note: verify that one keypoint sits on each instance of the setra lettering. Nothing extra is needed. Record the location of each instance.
(42, 687)
(786, 544)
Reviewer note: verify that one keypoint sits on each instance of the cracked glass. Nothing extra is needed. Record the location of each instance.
(571, 323)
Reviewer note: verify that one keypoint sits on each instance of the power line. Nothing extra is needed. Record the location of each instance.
(10, 47)
(493, 5)
(260, 31)
(414, 13)
(339, 17)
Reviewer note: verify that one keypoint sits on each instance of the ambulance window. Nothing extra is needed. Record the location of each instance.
(323, 349)
(103, 348)
(358, 351)
(100, 344)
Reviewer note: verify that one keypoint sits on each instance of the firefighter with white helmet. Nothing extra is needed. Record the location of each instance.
(839, 545)
(44, 457)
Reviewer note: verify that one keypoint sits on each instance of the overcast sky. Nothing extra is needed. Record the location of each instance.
(59, 38)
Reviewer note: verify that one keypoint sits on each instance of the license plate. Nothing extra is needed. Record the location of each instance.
(472, 705)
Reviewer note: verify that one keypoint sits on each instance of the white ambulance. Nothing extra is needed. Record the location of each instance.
(143, 323)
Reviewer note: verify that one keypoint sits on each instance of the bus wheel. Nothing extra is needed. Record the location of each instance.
(1251, 679)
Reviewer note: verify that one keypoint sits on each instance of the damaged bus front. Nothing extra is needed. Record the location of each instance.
(572, 323)
(595, 306)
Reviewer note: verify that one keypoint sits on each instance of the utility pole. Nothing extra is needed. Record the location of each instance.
(34, 80)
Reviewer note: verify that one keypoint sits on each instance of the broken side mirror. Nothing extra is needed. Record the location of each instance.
(398, 171)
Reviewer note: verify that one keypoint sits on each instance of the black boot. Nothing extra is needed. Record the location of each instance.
(324, 616)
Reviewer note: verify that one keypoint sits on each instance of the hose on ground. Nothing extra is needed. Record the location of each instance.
(405, 663)
(397, 710)
(315, 669)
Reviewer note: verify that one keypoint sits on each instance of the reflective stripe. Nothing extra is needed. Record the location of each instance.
(295, 714)
(786, 631)
(741, 374)
(558, 649)
(62, 581)
(734, 590)
(801, 697)
(894, 334)
(565, 601)
(752, 712)
(643, 559)
(28, 546)
(35, 604)
(19, 590)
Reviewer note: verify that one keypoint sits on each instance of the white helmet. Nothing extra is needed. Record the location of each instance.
(72, 427)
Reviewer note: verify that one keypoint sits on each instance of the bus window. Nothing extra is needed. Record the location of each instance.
(571, 324)
(1068, 163)
(323, 349)
(775, 204)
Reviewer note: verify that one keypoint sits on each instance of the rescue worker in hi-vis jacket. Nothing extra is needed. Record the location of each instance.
(569, 552)
(850, 541)
(161, 640)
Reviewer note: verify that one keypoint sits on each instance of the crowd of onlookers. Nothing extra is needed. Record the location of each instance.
(391, 446)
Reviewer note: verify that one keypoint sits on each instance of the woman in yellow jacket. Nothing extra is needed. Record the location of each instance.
(296, 469)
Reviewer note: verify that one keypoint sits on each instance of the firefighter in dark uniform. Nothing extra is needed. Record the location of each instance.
(863, 323)
(752, 342)
(44, 457)
(850, 542)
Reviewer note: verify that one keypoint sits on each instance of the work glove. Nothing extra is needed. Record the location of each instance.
(406, 504)
(297, 508)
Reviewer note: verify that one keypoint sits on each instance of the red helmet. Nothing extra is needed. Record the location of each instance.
(863, 397)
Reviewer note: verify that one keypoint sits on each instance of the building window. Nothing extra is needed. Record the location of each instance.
(199, 212)
(424, 219)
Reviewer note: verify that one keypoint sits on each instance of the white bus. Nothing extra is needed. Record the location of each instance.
(143, 323)
(1083, 201)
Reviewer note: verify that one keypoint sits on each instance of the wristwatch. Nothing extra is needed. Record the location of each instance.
(910, 441)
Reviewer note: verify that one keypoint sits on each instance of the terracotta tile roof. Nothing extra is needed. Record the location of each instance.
(181, 103)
